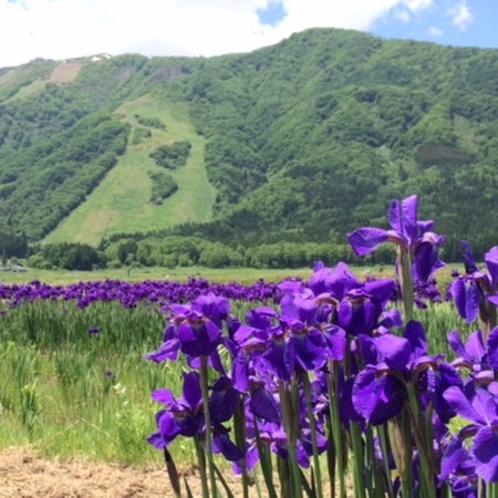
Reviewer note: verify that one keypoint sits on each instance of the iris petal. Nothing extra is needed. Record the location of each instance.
(484, 451)
(454, 456)
(394, 350)
(192, 393)
(263, 405)
(466, 296)
(493, 348)
(462, 406)
(491, 259)
(366, 240)
(475, 346)
(456, 344)
(377, 397)
(223, 444)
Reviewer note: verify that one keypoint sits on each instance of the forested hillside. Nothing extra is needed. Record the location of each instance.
(305, 140)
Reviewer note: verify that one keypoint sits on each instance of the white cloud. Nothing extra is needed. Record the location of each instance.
(415, 5)
(403, 16)
(60, 29)
(410, 7)
(461, 15)
(435, 32)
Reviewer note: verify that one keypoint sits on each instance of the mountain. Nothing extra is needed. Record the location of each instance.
(297, 142)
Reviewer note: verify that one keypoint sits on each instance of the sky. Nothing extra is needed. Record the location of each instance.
(60, 29)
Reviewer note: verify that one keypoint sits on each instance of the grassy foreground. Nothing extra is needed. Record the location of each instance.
(68, 391)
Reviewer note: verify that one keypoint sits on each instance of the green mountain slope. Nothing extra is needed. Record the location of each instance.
(301, 141)
(121, 202)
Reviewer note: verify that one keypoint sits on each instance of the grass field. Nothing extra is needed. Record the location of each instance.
(241, 275)
(121, 203)
(76, 386)
(223, 275)
(71, 393)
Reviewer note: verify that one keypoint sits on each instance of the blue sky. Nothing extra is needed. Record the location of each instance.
(459, 23)
(471, 23)
(60, 29)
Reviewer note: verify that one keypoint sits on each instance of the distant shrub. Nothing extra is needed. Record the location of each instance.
(69, 256)
(39, 262)
(163, 186)
(151, 122)
(172, 156)
(140, 134)
(114, 264)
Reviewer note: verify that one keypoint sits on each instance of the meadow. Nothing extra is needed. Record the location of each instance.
(121, 202)
(75, 382)
(224, 275)
(72, 346)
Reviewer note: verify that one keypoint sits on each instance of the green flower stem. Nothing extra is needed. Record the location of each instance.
(375, 484)
(257, 484)
(265, 462)
(406, 282)
(207, 418)
(337, 430)
(382, 435)
(423, 440)
(492, 490)
(331, 457)
(311, 417)
(201, 462)
(174, 478)
(400, 438)
(290, 420)
(359, 460)
(285, 478)
(240, 439)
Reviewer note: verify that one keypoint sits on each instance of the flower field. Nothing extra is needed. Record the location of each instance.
(75, 381)
(389, 383)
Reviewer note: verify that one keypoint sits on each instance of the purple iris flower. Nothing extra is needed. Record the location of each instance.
(337, 282)
(224, 400)
(359, 312)
(470, 355)
(479, 358)
(482, 410)
(475, 291)
(412, 236)
(458, 469)
(294, 340)
(264, 404)
(198, 335)
(379, 390)
(185, 416)
(194, 330)
(378, 396)
(213, 307)
(274, 435)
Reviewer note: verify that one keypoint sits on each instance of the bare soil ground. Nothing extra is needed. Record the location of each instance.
(23, 474)
(65, 72)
